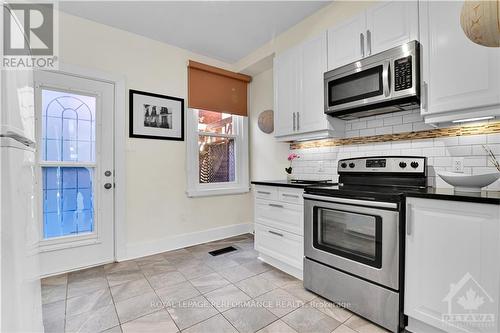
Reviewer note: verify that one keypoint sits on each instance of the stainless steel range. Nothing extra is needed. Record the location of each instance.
(354, 235)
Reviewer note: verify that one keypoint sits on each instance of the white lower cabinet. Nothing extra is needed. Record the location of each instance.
(452, 270)
(279, 227)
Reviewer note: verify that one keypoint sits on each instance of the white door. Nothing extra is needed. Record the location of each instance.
(391, 24)
(346, 42)
(448, 243)
(74, 121)
(460, 74)
(286, 99)
(311, 115)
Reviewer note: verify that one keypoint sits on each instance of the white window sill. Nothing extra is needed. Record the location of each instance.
(218, 191)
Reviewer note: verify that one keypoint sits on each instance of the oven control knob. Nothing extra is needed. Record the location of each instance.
(402, 165)
(344, 165)
(414, 165)
(352, 165)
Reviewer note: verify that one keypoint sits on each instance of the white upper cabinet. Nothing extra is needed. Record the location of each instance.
(461, 79)
(452, 248)
(346, 42)
(311, 116)
(286, 98)
(377, 29)
(298, 93)
(391, 24)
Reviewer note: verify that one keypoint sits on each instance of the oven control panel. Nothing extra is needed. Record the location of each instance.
(386, 164)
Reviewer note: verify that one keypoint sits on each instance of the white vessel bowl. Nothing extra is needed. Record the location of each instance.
(468, 183)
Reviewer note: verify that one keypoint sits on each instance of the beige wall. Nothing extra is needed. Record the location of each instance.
(268, 158)
(157, 206)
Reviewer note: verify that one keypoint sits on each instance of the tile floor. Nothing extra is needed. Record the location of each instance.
(188, 290)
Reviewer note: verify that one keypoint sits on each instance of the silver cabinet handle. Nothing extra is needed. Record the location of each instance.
(424, 96)
(275, 233)
(362, 44)
(298, 121)
(275, 205)
(386, 78)
(408, 219)
(290, 195)
(369, 41)
(293, 121)
(263, 192)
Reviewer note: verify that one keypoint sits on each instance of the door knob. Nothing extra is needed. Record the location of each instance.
(107, 186)
(107, 173)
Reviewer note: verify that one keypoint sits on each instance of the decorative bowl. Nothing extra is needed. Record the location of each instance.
(468, 183)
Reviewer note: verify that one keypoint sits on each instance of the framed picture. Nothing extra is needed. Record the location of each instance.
(154, 116)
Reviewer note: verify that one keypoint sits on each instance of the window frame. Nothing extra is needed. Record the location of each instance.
(240, 136)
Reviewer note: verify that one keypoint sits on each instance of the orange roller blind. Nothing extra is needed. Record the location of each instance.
(216, 89)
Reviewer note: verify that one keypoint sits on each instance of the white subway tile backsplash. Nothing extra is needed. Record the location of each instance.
(358, 125)
(475, 161)
(352, 134)
(383, 130)
(375, 123)
(395, 120)
(442, 161)
(440, 152)
(367, 132)
(412, 118)
(447, 141)
(472, 140)
(434, 151)
(402, 128)
(425, 143)
(459, 150)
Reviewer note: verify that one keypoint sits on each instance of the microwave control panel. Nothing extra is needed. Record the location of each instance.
(403, 73)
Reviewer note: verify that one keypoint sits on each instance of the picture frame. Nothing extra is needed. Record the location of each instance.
(155, 116)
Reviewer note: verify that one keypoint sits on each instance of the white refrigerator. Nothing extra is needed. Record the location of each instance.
(20, 295)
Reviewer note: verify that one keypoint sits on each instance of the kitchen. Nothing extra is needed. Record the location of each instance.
(370, 95)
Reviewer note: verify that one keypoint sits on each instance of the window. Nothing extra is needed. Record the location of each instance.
(67, 158)
(217, 153)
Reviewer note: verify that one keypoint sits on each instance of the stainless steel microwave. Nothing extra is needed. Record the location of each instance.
(385, 82)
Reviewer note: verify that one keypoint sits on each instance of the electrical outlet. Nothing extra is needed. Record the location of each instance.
(321, 167)
(458, 164)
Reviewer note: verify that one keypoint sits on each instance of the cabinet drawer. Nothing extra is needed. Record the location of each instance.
(279, 244)
(280, 215)
(290, 195)
(266, 192)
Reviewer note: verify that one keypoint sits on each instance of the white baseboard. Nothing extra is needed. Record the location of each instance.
(137, 250)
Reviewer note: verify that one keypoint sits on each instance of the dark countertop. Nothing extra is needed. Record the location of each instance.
(282, 183)
(489, 197)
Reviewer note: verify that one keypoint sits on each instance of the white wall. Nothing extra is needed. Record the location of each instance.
(158, 209)
(268, 157)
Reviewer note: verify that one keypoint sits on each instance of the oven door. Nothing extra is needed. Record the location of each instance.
(355, 236)
(363, 86)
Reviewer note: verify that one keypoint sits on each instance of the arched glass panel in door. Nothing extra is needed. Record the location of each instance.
(67, 156)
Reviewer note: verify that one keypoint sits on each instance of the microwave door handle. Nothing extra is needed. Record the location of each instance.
(386, 79)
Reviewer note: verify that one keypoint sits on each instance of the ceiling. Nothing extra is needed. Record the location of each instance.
(223, 30)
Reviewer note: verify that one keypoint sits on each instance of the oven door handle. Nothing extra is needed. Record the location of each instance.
(377, 204)
(386, 78)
